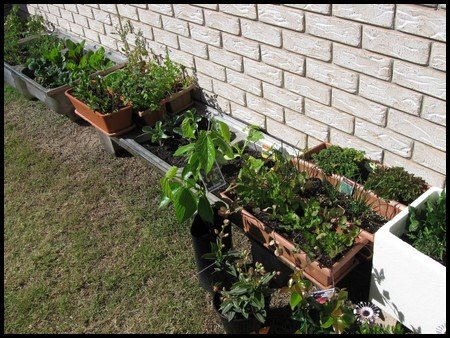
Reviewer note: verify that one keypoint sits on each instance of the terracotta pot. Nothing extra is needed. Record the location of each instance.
(321, 276)
(180, 101)
(150, 117)
(113, 124)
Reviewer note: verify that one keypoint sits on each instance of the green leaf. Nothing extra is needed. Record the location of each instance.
(171, 172)
(328, 323)
(184, 149)
(260, 317)
(206, 152)
(296, 298)
(224, 130)
(205, 211)
(185, 204)
(164, 202)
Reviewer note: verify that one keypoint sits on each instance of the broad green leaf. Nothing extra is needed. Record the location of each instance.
(206, 152)
(164, 202)
(204, 210)
(224, 130)
(260, 317)
(296, 298)
(171, 172)
(328, 323)
(184, 149)
(185, 205)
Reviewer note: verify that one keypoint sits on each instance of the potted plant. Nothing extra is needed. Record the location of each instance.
(276, 208)
(331, 312)
(95, 102)
(410, 254)
(243, 308)
(151, 85)
(48, 76)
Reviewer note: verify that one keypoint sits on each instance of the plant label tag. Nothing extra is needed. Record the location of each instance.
(266, 151)
(346, 186)
(214, 180)
(323, 296)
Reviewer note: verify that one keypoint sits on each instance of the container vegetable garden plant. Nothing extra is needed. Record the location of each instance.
(409, 264)
(281, 205)
(152, 86)
(386, 189)
(95, 102)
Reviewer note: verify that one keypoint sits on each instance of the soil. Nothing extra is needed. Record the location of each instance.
(166, 150)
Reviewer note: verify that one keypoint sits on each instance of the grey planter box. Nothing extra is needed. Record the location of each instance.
(54, 98)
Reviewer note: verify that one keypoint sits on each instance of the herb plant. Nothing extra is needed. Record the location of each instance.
(427, 228)
(395, 183)
(157, 133)
(56, 67)
(247, 296)
(97, 95)
(341, 161)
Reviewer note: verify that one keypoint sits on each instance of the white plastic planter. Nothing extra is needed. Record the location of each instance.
(407, 284)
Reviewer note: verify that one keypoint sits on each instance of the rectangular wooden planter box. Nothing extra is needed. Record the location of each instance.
(406, 283)
(113, 124)
(387, 209)
(321, 276)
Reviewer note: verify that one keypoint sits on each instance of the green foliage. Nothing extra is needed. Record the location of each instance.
(15, 29)
(427, 228)
(367, 328)
(56, 67)
(145, 82)
(395, 183)
(246, 296)
(96, 94)
(341, 161)
(157, 133)
(333, 315)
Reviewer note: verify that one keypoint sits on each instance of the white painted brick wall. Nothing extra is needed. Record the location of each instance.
(286, 133)
(434, 110)
(307, 45)
(359, 107)
(282, 59)
(429, 157)
(421, 79)
(332, 75)
(421, 21)
(390, 94)
(334, 29)
(386, 138)
(377, 14)
(362, 61)
(223, 22)
(329, 116)
(204, 34)
(281, 16)
(263, 72)
(396, 44)
(247, 115)
(417, 129)
(189, 13)
(244, 82)
(225, 58)
(243, 10)
(306, 125)
(261, 32)
(283, 97)
(438, 56)
(317, 8)
(241, 46)
(308, 88)
(372, 76)
(265, 107)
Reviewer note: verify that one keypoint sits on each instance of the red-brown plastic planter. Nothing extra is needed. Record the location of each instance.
(180, 100)
(150, 117)
(321, 276)
(113, 124)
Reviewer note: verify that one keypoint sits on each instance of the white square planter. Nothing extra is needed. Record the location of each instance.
(406, 283)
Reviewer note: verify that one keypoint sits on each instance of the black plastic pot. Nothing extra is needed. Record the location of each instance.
(271, 263)
(202, 235)
(240, 325)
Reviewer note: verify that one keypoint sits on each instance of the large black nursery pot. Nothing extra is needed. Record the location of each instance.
(202, 235)
(271, 263)
(238, 325)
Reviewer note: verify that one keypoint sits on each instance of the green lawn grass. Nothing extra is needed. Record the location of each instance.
(86, 250)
